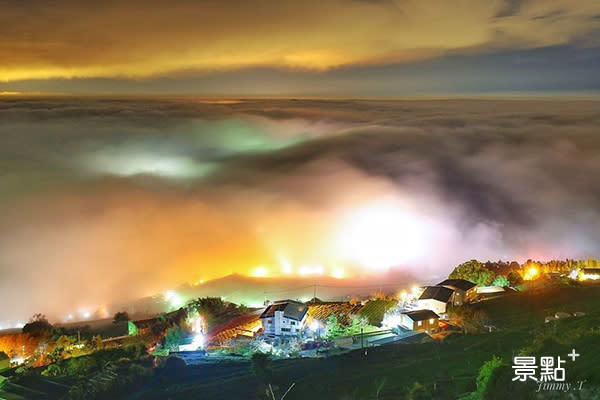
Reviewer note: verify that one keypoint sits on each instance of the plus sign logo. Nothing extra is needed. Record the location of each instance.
(573, 354)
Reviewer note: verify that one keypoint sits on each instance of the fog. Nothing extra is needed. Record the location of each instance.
(106, 200)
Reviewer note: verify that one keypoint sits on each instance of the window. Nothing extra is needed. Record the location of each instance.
(285, 329)
(419, 323)
(270, 321)
(431, 321)
(293, 322)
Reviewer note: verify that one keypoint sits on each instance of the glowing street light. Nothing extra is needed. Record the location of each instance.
(531, 273)
(315, 325)
(173, 298)
(260, 272)
(338, 273)
(415, 290)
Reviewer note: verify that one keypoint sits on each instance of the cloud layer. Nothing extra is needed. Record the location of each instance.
(103, 200)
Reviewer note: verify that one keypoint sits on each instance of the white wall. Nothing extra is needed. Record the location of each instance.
(436, 306)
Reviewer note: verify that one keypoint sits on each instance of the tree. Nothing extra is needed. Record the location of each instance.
(487, 382)
(333, 328)
(172, 338)
(468, 318)
(38, 325)
(473, 271)
(357, 324)
(501, 280)
(514, 278)
(121, 316)
(486, 371)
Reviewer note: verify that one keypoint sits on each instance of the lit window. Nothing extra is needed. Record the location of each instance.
(419, 323)
(431, 321)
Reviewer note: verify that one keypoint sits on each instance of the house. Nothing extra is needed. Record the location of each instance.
(286, 317)
(4, 361)
(589, 273)
(464, 291)
(420, 320)
(435, 298)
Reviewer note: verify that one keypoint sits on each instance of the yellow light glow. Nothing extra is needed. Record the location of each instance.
(532, 273)
(311, 270)
(381, 235)
(260, 272)
(338, 273)
(403, 295)
(286, 266)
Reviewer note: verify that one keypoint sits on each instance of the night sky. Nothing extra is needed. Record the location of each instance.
(145, 144)
(337, 48)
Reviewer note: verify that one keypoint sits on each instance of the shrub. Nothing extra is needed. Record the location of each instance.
(52, 370)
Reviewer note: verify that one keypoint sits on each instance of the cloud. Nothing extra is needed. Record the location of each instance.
(105, 200)
(67, 39)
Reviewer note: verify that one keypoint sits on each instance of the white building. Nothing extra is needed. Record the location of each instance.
(436, 299)
(420, 320)
(464, 291)
(285, 317)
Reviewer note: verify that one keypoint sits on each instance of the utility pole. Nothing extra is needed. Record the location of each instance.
(361, 338)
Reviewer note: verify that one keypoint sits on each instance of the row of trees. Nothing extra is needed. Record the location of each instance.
(336, 327)
(502, 273)
(497, 274)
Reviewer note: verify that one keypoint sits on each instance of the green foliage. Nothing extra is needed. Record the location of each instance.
(514, 278)
(173, 338)
(22, 370)
(81, 366)
(469, 318)
(53, 370)
(216, 311)
(486, 371)
(501, 280)
(333, 328)
(374, 310)
(135, 349)
(473, 271)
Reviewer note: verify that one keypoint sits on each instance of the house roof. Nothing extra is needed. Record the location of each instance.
(291, 309)
(591, 271)
(440, 293)
(461, 284)
(421, 315)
